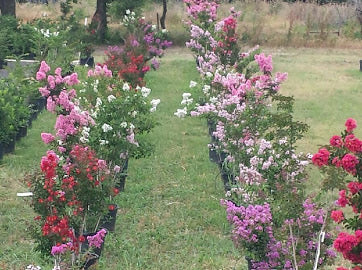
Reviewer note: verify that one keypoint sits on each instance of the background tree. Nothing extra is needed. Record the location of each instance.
(163, 17)
(7, 7)
(99, 20)
(116, 8)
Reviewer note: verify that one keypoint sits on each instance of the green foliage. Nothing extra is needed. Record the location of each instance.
(66, 7)
(14, 110)
(117, 8)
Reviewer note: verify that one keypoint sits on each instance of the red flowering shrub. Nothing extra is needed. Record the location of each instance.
(143, 43)
(345, 153)
(70, 194)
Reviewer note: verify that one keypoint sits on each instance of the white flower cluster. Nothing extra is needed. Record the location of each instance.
(181, 113)
(145, 91)
(111, 98)
(192, 84)
(154, 103)
(95, 86)
(85, 135)
(129, 18)
(46, 33)
(186, 100)
(126, 87)
(106, 128)
(206, 89)
(33, 267)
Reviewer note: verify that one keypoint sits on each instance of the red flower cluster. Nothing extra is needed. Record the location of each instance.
(353, 144)
(228, 41)
(48, 164)
(350, 246)
(348, 143)
(130, 66)
(321, 158)
(68, 190)
(337, 216)
(354, 268)
(134, 70)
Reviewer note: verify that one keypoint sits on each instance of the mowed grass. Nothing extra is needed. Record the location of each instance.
(170, 216)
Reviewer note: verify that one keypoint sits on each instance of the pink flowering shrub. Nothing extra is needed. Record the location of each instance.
(254, 134)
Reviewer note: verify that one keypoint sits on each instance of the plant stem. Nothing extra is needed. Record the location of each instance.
(320, 239)
(293, 246)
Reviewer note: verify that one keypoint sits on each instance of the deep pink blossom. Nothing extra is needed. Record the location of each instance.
(321, 158)
(350, 124)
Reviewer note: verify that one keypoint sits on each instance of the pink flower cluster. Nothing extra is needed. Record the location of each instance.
(249, 222)
(97, 239)
(264, 62)
(205, 10)
(100, 70)
(63, 101)
(61, 248)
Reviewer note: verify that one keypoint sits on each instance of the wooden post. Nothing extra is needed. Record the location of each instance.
(158, 21)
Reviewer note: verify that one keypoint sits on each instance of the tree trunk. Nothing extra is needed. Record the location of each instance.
(7, 7)
(99, 19)
(163, 17)
(359, 15)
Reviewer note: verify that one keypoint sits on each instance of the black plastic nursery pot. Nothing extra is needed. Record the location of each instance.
(10, 146)
(40, 104)
(22, 132)
(1, 151)
(121, 181)
(249, 263)
(212, 126)
(94, 257)
(87, 61)
(109, 220)
(2, 64)
(33, 115)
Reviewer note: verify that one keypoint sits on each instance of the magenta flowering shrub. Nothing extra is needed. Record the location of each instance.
(252, 226)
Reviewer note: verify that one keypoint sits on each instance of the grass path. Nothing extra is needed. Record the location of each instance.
(170, 212)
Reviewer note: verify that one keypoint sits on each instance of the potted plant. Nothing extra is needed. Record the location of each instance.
(123, 116)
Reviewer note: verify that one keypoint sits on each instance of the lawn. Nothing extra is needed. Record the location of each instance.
(170, 216)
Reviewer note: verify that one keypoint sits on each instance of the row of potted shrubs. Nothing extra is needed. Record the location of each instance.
(19, 106)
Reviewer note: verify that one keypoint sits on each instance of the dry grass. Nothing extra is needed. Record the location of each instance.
(273, 24)
(29, 12)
